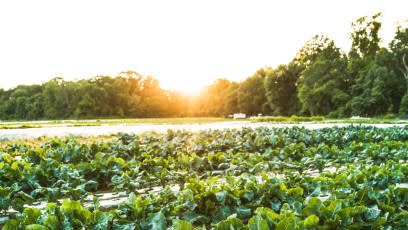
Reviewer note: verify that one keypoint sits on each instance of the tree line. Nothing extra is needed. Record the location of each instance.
(369, 80)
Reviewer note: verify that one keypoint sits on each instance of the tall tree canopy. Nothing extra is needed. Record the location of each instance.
(323, 84)
(376, 87)
(281, 89)
(399, 48)
(212, 102)
(251, 94)
(365, 36)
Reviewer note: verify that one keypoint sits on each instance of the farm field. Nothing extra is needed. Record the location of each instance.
(351, 177)
(34, 129)
(209, 115)
(99, 122)
(189, 120)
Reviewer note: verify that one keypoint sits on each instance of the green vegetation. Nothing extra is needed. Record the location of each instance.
(353, 177)
(292, 119)
(138, 121)
(280, 178)
(321, 80)
(387, 119)
(184, 120)
(19, 126)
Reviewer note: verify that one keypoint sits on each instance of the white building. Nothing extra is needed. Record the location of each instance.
(239, 116)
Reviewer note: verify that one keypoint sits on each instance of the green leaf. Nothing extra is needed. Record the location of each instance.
(372, 213)
(311, 221)
(11, 225)
(181, 225)
(221, 196)
(379, 222)
(155, 221)
(36, 227)
(313, 206)
(195, 218)
(124, 226)
(276, 204)
(243, 212)
(52, 222)
(267, 213)
(298, 191)
(401, 219)
(221, 213)
(4, 202)
(31, 215)
(258, 223)
(232, 223)
(334, 207)
(102, 221)
(287, 222)
(4, 198)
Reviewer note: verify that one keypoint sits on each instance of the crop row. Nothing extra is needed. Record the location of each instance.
(361, 167)
(352, 199)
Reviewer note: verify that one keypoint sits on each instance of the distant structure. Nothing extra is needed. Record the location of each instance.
(358, 117)
(256, 117)
(239, 116)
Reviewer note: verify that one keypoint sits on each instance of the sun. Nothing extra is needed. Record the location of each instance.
(184, 86)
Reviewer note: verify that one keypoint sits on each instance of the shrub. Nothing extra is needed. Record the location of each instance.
(404, 104)
(390, 116)
(293, 118)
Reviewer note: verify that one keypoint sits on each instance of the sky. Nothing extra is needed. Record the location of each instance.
(184, 44)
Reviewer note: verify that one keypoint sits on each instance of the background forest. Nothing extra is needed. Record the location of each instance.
(369, 80)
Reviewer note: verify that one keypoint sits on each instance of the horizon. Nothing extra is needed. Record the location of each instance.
(176, 43)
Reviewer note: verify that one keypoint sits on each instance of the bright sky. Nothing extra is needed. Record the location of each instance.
(185, 44)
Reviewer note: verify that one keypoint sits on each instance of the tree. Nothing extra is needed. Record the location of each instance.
(178, 104)
(311, 50)
(365, 36)
(212, 100)
(231, 100)
(376, 85)
(281, 89)
(251, 93)
(22, 103)
(154, 99)
(365, 44)
(404, 104)
(378, 89)
(399, 48)
(3, 100)
(323, 84)
(60, 98)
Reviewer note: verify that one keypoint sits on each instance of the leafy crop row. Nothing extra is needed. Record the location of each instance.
(284, 178)
(351, 199)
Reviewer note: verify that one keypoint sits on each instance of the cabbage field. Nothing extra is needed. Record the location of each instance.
(353, 177)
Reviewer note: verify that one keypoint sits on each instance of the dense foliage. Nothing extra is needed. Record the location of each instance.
(279, 178)
(322, 80)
